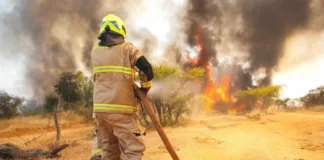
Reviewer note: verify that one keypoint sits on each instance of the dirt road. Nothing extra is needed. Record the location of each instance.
(282, 136)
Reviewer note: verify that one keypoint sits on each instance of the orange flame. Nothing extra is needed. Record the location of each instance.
(212, 91)
(217, 92)
(233, 110)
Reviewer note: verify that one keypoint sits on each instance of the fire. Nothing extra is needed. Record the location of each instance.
(233, 110)
(217, 92)
(214, 92)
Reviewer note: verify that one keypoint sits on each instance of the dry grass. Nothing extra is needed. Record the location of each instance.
(4, 124)
(38, 120)
(38, 132)
(70, 116)
(19, 122)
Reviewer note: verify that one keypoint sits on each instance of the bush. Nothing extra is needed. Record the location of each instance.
(178, 106)
(315, 97)
(163, 71)
(171, 109)
(68, 87)
(174, 101)
(262, 97)
(75, 91)
(85, 113)
(8, 105)
(49, 103)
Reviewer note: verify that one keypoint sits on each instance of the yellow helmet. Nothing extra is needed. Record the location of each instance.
(113, 24)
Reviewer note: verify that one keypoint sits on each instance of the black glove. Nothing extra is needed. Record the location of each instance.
(144, 90)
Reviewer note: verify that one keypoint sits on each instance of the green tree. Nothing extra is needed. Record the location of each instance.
(76, 92)
(314, 97)
(264, 95)
(85, 105)
(86, 86)
(282, 102)
(8, 105)
(50, 102)
(69, 88)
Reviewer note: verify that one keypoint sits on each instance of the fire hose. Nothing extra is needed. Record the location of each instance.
(156, 122)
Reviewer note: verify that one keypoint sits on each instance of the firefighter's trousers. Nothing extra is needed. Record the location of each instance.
(120, 136)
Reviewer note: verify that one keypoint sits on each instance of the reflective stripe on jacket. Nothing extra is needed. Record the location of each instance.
(147, 84)
(114, 76)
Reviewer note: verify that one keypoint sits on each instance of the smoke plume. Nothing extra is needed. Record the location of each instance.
(61, 35)
(58, 36)
(148, 40)
(200, 15)
(269, 23)
(255, 30)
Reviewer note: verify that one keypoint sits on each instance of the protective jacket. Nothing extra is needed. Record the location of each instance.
(113, 69)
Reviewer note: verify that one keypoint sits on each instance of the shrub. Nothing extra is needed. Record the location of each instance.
(85, 113)
(8, 105)
(174, 101)
(315, 97)
(49, 103)
(262, 97)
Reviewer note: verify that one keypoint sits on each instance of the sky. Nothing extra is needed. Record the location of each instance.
(12, 68)
(300, 70)
(302, 67)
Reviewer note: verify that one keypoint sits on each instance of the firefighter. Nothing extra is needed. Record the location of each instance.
(120, 134)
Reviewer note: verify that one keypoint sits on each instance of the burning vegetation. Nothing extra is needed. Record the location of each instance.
(214, 91)
(219, 92)
(261, 31)
(59, 38)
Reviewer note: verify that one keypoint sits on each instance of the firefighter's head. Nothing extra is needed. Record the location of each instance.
(113, 24)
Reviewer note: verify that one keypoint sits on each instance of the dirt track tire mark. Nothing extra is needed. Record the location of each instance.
(218, 127)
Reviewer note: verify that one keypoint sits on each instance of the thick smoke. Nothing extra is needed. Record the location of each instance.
(58, 36)
(61, 35)
(148, 41)
(199, 17)
(269, 23)
(258, 28)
